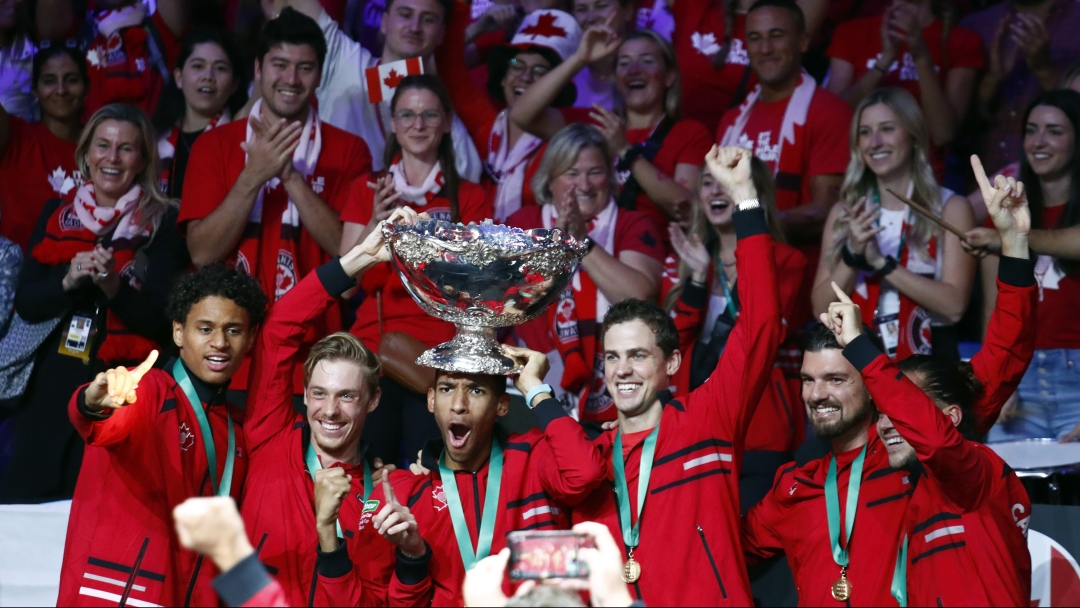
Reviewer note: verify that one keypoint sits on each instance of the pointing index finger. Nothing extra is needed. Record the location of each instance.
(388, 491)
(980, 173)
(145, 366)
(840, 294)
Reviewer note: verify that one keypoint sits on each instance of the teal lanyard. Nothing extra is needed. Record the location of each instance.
(182, 379)
(903, 229)
(632, 535)
(727, 294)
(899, 577)
(832, 506)
(491, 507)
(311, 459)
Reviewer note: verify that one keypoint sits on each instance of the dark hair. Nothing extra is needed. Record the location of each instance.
(428, 82)
(291, 27)
(788, 5)
(219, 280)
(447, 7)
(47, 52)
(948, 382)
(654, 317)
(171, 105)
(498, 383)
(498, 63)
(1068, 101)
(819, 338)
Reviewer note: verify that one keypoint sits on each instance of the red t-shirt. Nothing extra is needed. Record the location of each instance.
(858, 42)
(820, 146)
(699, 33)
(399, 312)
(1057, 324)
(36, 166)
(688, 142)
(214, 165)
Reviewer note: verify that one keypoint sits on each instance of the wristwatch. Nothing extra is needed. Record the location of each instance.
(890, 265)
(750, 203)
(536, 390)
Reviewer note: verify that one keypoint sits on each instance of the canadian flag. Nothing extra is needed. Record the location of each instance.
(385, 77)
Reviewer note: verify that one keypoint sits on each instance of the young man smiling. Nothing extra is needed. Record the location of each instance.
(155, 437)
(267, 193)
(671, 492)
(412, 28)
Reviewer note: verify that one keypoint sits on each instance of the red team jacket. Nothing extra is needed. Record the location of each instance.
(140, 462)
(689, 544)
(279, 505)
(792, 517)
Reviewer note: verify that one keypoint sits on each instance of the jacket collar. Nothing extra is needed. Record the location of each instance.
(210, 394)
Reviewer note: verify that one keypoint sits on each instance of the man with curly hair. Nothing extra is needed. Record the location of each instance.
(155, 437)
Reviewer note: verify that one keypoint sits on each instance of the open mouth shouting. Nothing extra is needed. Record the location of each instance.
(457, 435)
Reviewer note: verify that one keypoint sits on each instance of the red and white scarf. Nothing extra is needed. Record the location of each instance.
(167, 145)
(80, 226)
(417, 195)
(507, 166)
(582, 303)
(268, 250)
(119, 57)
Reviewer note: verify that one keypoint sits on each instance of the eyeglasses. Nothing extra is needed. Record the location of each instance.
(430, 118)
(517, 67)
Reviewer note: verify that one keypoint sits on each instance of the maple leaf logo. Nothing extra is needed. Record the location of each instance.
(60, 182)
(545, 26)
(705, 43)
(393, 79)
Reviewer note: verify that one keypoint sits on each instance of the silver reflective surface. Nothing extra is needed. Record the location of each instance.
(480, 277)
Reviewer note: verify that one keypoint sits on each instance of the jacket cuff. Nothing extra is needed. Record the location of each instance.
(335, 564)
(1017, 272)
(694, 296)
(749, 223)
(238, 585)
(333, 277)
(547, 411)
(861, 352)
(412, 570)
(80, 402)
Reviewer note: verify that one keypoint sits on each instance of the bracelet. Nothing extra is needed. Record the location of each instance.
(857, 261)
(627, 160)
(890, 265)
(750, 203)
(590, 244)
(536, 390)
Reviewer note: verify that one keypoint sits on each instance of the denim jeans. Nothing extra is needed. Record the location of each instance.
(1049, 397)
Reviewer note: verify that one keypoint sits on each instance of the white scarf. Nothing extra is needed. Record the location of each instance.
(794, 115)
(100, 220)
(110, 22)
(418, 195)
(602, 232)
(507, 166)
(166, 149)
(305, 158)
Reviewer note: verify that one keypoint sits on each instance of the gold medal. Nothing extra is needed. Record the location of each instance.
(631, 570)
(841, 589)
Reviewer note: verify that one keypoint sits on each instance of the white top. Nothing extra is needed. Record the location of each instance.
(343, 101)
(717, 307)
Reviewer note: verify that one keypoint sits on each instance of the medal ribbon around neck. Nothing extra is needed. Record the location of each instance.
(311, 459)
(832, 506)
(899, 579)
(491, 507)
(182, 379)
(631, 535)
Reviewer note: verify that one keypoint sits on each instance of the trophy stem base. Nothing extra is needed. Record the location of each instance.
(474, 350)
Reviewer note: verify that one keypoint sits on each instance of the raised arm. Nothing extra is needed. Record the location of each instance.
(176, 14)
(54, 19)
(472, 105)
(759, 538)
(115, 405)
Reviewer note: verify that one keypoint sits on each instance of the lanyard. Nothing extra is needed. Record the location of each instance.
(832, 506)
(727, 294)
(903, 227)
(899, 578)
(491, 507)
(181, 376)
(631, 535)
(311, 459)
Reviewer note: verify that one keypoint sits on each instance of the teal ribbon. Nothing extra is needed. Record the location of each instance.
(832, 506)
(899, 577)
(182, 379)
(632, 535)
(903, 229)
(727, 294)
(491, 507)
(311, 459)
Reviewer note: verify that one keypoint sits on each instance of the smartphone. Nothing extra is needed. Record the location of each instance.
(538, 555)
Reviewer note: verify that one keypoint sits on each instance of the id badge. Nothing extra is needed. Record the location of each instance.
(78, 338)
(889, 330)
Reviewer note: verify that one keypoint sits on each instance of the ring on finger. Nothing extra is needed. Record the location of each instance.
(78, 267)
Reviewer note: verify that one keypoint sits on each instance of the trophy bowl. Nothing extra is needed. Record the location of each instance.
(480, 277)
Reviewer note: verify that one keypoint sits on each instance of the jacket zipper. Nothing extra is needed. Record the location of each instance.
(712, 562)
(314, 582)
(194, 579)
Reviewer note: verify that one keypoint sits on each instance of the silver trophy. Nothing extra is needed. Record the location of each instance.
(480, 277)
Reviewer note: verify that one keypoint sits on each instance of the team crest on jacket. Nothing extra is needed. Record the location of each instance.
(69, 220)
(187, 438)
(286, 273)
(919, 332)
(439, 496)
(565, 324)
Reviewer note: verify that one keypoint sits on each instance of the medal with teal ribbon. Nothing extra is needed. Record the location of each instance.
(632, 534)
(311, 459)
(491, 507)
(222, 489)
(841, 589)
(899, 577)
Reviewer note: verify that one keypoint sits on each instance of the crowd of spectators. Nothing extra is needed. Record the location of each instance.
(140, 139)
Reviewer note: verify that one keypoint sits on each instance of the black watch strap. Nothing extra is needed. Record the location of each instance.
(857, 261)
(890, 265)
